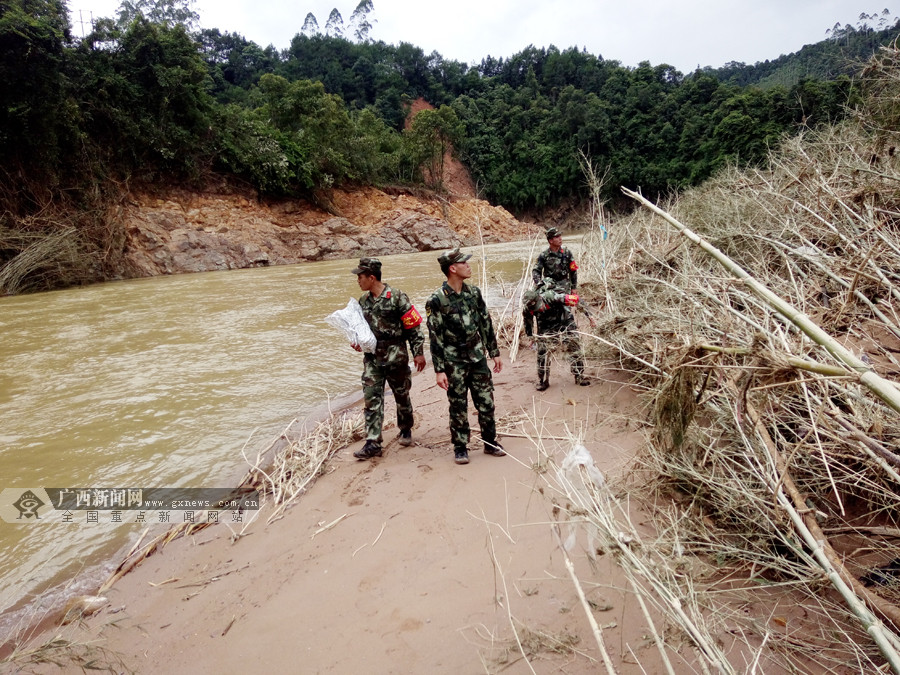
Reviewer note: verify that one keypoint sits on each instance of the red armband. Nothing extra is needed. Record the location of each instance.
(571, 299)
(573, 267)
(411, 319)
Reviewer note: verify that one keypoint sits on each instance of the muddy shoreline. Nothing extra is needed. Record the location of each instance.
(41, 614)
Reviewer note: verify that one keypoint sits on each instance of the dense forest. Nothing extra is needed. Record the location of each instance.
(145, 98)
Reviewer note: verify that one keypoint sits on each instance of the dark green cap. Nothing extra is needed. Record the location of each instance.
(367, 266)
(448, 258)
(553, 232)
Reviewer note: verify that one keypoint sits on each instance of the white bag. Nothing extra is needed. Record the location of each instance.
(354, 324)
(578, 472)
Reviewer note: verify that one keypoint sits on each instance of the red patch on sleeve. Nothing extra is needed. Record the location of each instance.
(573, 266)
(411, 319)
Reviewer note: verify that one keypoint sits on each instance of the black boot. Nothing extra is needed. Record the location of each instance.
(494, 448)
(543, 380)
(369, 450)
(578, 372)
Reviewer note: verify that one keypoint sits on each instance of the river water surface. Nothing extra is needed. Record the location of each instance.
(161, 382)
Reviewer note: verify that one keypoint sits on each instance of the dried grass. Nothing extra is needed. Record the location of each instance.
(67, 655)
(63, 239)
(775, 457)
(301, 457)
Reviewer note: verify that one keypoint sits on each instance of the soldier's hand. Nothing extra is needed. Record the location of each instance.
(420, 363)
(441, 379)
(498, 364)
(356, 347)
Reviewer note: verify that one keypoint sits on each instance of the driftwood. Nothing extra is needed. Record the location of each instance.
(850, 588)
(885, 389)
(845, 583)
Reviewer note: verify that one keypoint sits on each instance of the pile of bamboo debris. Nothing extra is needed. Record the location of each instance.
(760, 313)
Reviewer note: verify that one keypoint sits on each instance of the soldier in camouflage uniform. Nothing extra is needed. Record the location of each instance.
(550, 308)
(394, 321)
(556, 264)
(462, 338)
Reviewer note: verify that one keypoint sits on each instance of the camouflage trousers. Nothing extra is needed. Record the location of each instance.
(399, 379)
(463, 378)
(566, 340)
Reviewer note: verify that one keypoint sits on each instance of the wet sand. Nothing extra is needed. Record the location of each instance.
(405, 563)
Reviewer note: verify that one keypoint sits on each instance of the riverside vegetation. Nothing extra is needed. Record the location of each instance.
(143, 99)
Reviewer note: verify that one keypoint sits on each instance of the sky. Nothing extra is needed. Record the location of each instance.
(683, 33)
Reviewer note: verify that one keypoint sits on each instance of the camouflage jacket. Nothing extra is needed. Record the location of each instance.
(547, 306)
(559, 266)
(394, 320)
(554, 318)
(459, 327)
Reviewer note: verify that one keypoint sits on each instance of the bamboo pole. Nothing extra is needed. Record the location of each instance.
(884, 389)
(806, 526)
(600, 504)
(842, 282)
(595, 627)
(520, 291)
(795, 361)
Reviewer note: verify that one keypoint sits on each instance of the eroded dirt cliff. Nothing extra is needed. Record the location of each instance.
(185, 231)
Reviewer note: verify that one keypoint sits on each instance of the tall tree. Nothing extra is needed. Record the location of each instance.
(310, 25)
(430, 138)
(167, 12)
(32, 84)
(334, 27)
(359, 20)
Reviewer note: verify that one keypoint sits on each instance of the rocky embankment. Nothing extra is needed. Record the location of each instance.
(183, 231)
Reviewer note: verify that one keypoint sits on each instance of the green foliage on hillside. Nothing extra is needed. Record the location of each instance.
(142, 98)
(842, 52)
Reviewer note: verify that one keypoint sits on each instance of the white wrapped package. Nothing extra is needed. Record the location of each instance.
(354, 325)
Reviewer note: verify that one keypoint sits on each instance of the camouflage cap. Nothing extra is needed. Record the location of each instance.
(553, 232)
(448, 258)
(541, 297)
(367, 266)
(531, 299)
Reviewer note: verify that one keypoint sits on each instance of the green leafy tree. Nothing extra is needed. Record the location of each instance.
(266, 157)
(145, 102)
(377, 151)
(35, 119)
(314, 122)
(167, 12)
(429, 139)
(234, 63)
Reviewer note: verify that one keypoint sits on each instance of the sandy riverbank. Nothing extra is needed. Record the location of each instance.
(430, 567)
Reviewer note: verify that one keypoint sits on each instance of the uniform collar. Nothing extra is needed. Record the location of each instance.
(385, 293)
(448, 289)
